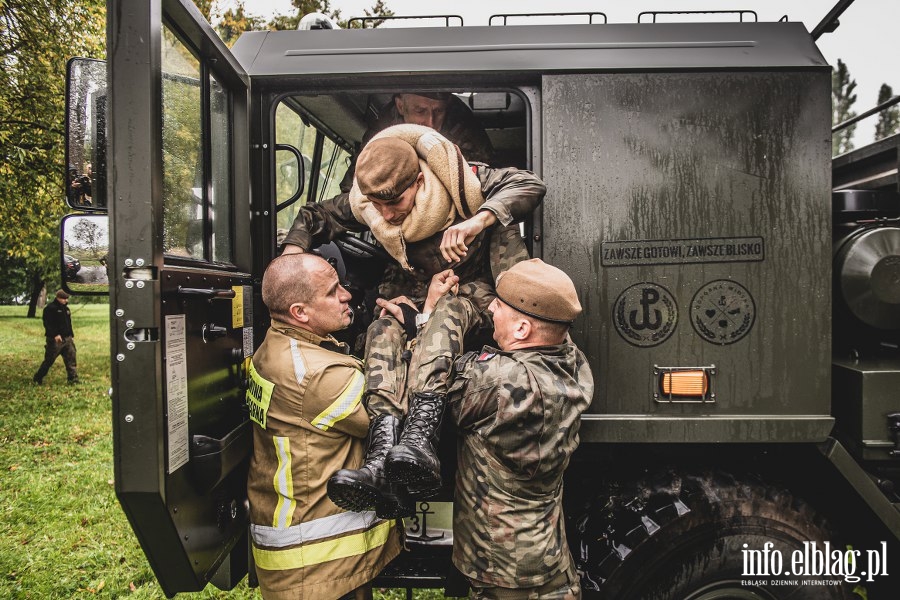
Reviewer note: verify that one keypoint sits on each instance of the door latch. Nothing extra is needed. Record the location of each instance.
(212, 331)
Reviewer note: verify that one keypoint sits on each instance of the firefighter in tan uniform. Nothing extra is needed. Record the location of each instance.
(304, 400)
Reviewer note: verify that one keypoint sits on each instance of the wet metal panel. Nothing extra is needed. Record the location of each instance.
(527, 48)
(692, 210)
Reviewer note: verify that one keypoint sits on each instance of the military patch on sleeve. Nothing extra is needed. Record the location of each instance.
(485, 356)
(259, 395)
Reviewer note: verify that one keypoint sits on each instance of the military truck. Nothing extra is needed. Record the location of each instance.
(741, 291)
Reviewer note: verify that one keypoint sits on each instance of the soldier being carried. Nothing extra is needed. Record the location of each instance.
(430, 210)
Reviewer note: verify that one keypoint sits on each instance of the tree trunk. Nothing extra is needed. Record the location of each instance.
(37, 289)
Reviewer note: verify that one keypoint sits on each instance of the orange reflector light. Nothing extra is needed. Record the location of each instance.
(685, 383)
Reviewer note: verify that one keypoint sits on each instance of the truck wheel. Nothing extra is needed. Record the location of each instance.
(685, 537)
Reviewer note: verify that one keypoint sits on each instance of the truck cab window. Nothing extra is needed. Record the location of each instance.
(335, 161)
(220, 171)
(324, 162)
(197, 219)
(290, 130)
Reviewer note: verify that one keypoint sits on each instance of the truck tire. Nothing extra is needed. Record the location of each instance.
(681, 537)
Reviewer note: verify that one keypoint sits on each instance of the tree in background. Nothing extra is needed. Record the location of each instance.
(36, 39)
(304, 7)
(231, 23)
(89, 237)
(888, 119)
(842, 100)
(236, 21)
(379, 9)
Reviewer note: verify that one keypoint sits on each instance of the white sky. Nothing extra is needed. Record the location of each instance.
(867, 40)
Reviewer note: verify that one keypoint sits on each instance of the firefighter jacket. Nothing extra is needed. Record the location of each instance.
(57, 320)
(511, 194)
(308, 422)
(518, 415)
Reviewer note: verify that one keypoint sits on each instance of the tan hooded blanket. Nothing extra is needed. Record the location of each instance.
(450, 190)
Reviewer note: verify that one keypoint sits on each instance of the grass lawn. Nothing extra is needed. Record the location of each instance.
(62, 532)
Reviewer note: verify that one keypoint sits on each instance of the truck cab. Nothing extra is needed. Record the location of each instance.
(689, 177)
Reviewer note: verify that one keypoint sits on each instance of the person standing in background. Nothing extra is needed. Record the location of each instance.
(59, 339)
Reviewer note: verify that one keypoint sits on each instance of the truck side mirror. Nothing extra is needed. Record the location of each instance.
(84, 254)
(86, 134)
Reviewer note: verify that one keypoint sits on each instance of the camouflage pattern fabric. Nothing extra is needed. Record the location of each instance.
(518, 415)
(507, 248)
(397, 282)
(440, 340)
(565, 586)
(455, 318)
(385, 368)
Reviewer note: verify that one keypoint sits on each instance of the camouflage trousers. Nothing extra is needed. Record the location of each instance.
(393, 367)
(564, 586)
(389, 359)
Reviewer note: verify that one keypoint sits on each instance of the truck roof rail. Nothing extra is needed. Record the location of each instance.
(364, 20)
(589, 15)
(883, 106)
(740, 13)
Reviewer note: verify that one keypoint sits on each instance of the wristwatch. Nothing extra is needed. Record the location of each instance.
(422, 318)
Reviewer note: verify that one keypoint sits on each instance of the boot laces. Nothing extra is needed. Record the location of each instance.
(381, 442)
(422, 419)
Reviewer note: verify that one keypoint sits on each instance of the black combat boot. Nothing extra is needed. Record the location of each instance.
(366, 488)
(413, 461)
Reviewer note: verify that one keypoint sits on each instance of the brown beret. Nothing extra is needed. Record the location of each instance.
(386, 167)
(539, 290)
(62, 294)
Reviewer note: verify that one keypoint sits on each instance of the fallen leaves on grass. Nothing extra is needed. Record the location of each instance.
(95, 590)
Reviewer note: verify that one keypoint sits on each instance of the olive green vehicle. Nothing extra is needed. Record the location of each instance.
(741, 287)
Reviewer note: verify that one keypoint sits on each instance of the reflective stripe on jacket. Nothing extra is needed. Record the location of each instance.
(309, 421)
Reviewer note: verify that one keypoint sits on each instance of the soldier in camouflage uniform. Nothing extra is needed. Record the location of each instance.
(518, 409)
(477, 247)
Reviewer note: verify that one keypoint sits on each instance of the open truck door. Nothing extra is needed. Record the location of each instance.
(181, 292)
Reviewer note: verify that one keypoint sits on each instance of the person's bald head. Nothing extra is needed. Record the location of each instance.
(286, 281)
(304, 290)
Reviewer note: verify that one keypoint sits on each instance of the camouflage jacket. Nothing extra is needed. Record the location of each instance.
(511, 194)
(518, 415)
